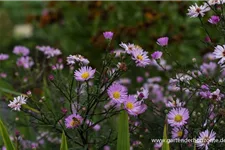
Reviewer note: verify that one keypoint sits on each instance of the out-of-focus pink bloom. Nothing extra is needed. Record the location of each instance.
(163, 41)
(4, 57)
(157, 55)
(108, 35)
(21, 50)
(140, 79)
(214, 19)
(3, 75)
(26, 62)
(106, 147)
(207, 39)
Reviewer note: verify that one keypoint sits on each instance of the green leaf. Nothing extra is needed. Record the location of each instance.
(63, 142)
(123, 139)
(7, 142)
(165, 145)
(30, 108)
(9, 91)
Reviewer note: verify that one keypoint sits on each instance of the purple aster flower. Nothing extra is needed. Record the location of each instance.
(207, 39)
(49, 51)
(117, 93)
(4, 57)
(26, 62)
(178, 117)
(208, 68)
(21, 50)
(157, 55)
(214, 19)
(128, 47)
(140, 57)
(205, 138)
(216, 95)
(133, 106)
(204, 91)
(3, 75)
(73, 121)
(108, 35)
(163, 41)
(178, 133)
(140, 79)
(84, 73)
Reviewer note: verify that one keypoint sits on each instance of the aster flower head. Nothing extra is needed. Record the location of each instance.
(219, 53)
(178, 117)
(108, 35)
(140, 57)
(216, 95)
(72, 59)
(195, 10)
(25, 61)
(17, 102)
(215, 2)
(157, 55)
(4, 57)
(162, 41)
(128, 47)
(49, 51)
(205, 138)
(171, 103)
(133, 106)
(84, 73)
(214, 19)
(118, 52)
(208, 68)
(143, 93)
(178, 133)
(117, 93)
(21, 50)
(73, 121)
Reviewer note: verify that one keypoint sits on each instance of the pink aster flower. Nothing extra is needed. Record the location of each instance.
(49, 51)
(178, 116)
(157, 55)
(215, 2)
(108, 35)
(195, 10)
(219, 53)
(140, 57)
(21, 50)
(178, 133)
(214, 19)
(26, 62)
(72, 59)
(216, 95)
(3, 75)
(84, 73)
(17, 102)
(73, 121)
(208, 68)
(163, 41)
(205, 138)
(117, 93)
(4, 57)
(133, 106)
(128, 47)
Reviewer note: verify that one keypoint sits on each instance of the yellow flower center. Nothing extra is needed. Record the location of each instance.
(116, 95)
(178, 118)
(138, 47)
(74, 122)
(85, 75)
(130, 105)
(179, 133)
(139, 57)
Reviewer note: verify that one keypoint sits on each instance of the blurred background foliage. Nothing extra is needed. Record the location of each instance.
(76, 27)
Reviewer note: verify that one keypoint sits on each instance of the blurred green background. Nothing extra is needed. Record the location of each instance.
(76, 27)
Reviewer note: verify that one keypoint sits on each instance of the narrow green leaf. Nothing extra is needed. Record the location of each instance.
(63, 142)
(9, 91)
(5, 136)
(123, 139)
(30, 108)
(165, 145)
